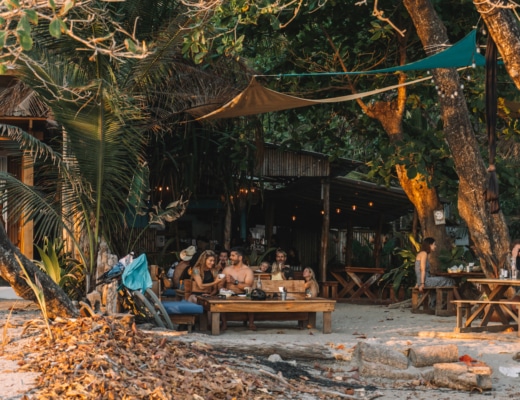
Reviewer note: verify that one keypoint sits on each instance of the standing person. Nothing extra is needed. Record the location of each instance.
(422, 267)
(280, 261)
(204, 276)
(311, 285)
(223, 259)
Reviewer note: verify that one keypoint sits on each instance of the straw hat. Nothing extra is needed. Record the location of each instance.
(188, 253)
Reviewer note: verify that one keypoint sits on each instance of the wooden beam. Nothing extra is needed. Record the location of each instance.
(325, 186)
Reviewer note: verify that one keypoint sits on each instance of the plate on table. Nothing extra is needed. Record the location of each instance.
(241, 295)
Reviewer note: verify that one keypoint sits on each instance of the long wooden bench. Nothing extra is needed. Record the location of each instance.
(470, 310)
(444, 295)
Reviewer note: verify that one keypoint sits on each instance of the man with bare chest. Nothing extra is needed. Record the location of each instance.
(238, 275)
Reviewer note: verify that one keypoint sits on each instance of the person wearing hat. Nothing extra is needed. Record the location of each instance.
(185, 255)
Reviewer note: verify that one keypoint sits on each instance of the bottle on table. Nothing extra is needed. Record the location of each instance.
(259, 283)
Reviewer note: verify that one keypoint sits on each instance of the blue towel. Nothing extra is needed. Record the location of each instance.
(136, 275)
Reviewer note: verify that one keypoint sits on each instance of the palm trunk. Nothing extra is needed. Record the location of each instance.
(57, 302)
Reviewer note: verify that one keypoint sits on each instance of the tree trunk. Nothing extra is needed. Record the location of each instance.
(503, 27)
(488, 231)
(57, 302)
(423, 197)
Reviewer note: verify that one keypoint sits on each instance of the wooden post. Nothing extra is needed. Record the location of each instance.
(325, 195)
(350, 240)
(269, 222)
(377, 242)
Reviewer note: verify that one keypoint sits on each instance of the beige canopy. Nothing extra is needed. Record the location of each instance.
(256, 99)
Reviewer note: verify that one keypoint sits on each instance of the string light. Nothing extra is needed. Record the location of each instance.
(353, 207)
(293, 217)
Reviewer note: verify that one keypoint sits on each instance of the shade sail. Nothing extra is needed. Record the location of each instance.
(256, 99)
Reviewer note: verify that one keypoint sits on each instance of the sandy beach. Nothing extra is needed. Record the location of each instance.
(352, 324)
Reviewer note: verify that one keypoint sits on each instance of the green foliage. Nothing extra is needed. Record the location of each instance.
(455, 256)
(404, 275)
(37, 288)
(65, 271)
(255, 259)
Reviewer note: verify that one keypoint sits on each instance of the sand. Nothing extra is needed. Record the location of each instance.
(377, 324)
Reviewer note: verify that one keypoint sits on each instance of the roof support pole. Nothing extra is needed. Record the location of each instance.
(325, 196)
(377, 242)
(350, 241)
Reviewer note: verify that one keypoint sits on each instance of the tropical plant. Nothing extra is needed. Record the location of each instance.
(455, 256)
(65, 271)
(403, 275)
(255, 259)
(36, 287)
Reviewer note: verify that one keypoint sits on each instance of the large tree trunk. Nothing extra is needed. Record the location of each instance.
(57, 302)
(423, 196)
(505, 31)
(488, 231)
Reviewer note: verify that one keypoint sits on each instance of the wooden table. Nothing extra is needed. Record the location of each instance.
(458, 277)
(494, 304)
(311, 306)
(361, 279)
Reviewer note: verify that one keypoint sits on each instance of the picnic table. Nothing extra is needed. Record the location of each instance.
(358, 281)
(279, 309)
(470, 310)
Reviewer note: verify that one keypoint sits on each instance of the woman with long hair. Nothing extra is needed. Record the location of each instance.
(422, 267)
(311, 285)
(204, 277)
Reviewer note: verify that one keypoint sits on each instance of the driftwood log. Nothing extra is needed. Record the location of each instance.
(380, 354)
(425, 356)
(462, 377)
(297, 351)
(371, 369)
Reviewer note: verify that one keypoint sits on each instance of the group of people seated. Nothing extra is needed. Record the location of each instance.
(209, 272)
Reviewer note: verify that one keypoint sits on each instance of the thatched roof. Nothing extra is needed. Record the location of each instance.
(18, 100)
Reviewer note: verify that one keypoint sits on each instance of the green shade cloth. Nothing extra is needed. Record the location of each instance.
(256, 99)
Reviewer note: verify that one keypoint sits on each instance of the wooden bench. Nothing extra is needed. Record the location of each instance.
(183, 312)
(293, 287)
(470, 310)
(444, 296)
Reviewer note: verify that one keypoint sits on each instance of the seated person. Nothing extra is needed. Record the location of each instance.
(238, 277)
(281, 257)
(264, 267)
(277, 273)
(204, 278)
(311, 285)
(182, 270)
(223, 258)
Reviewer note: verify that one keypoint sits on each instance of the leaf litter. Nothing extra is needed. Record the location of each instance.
(102, 358)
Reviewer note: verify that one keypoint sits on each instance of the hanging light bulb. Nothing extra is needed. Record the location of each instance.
(353, 207)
